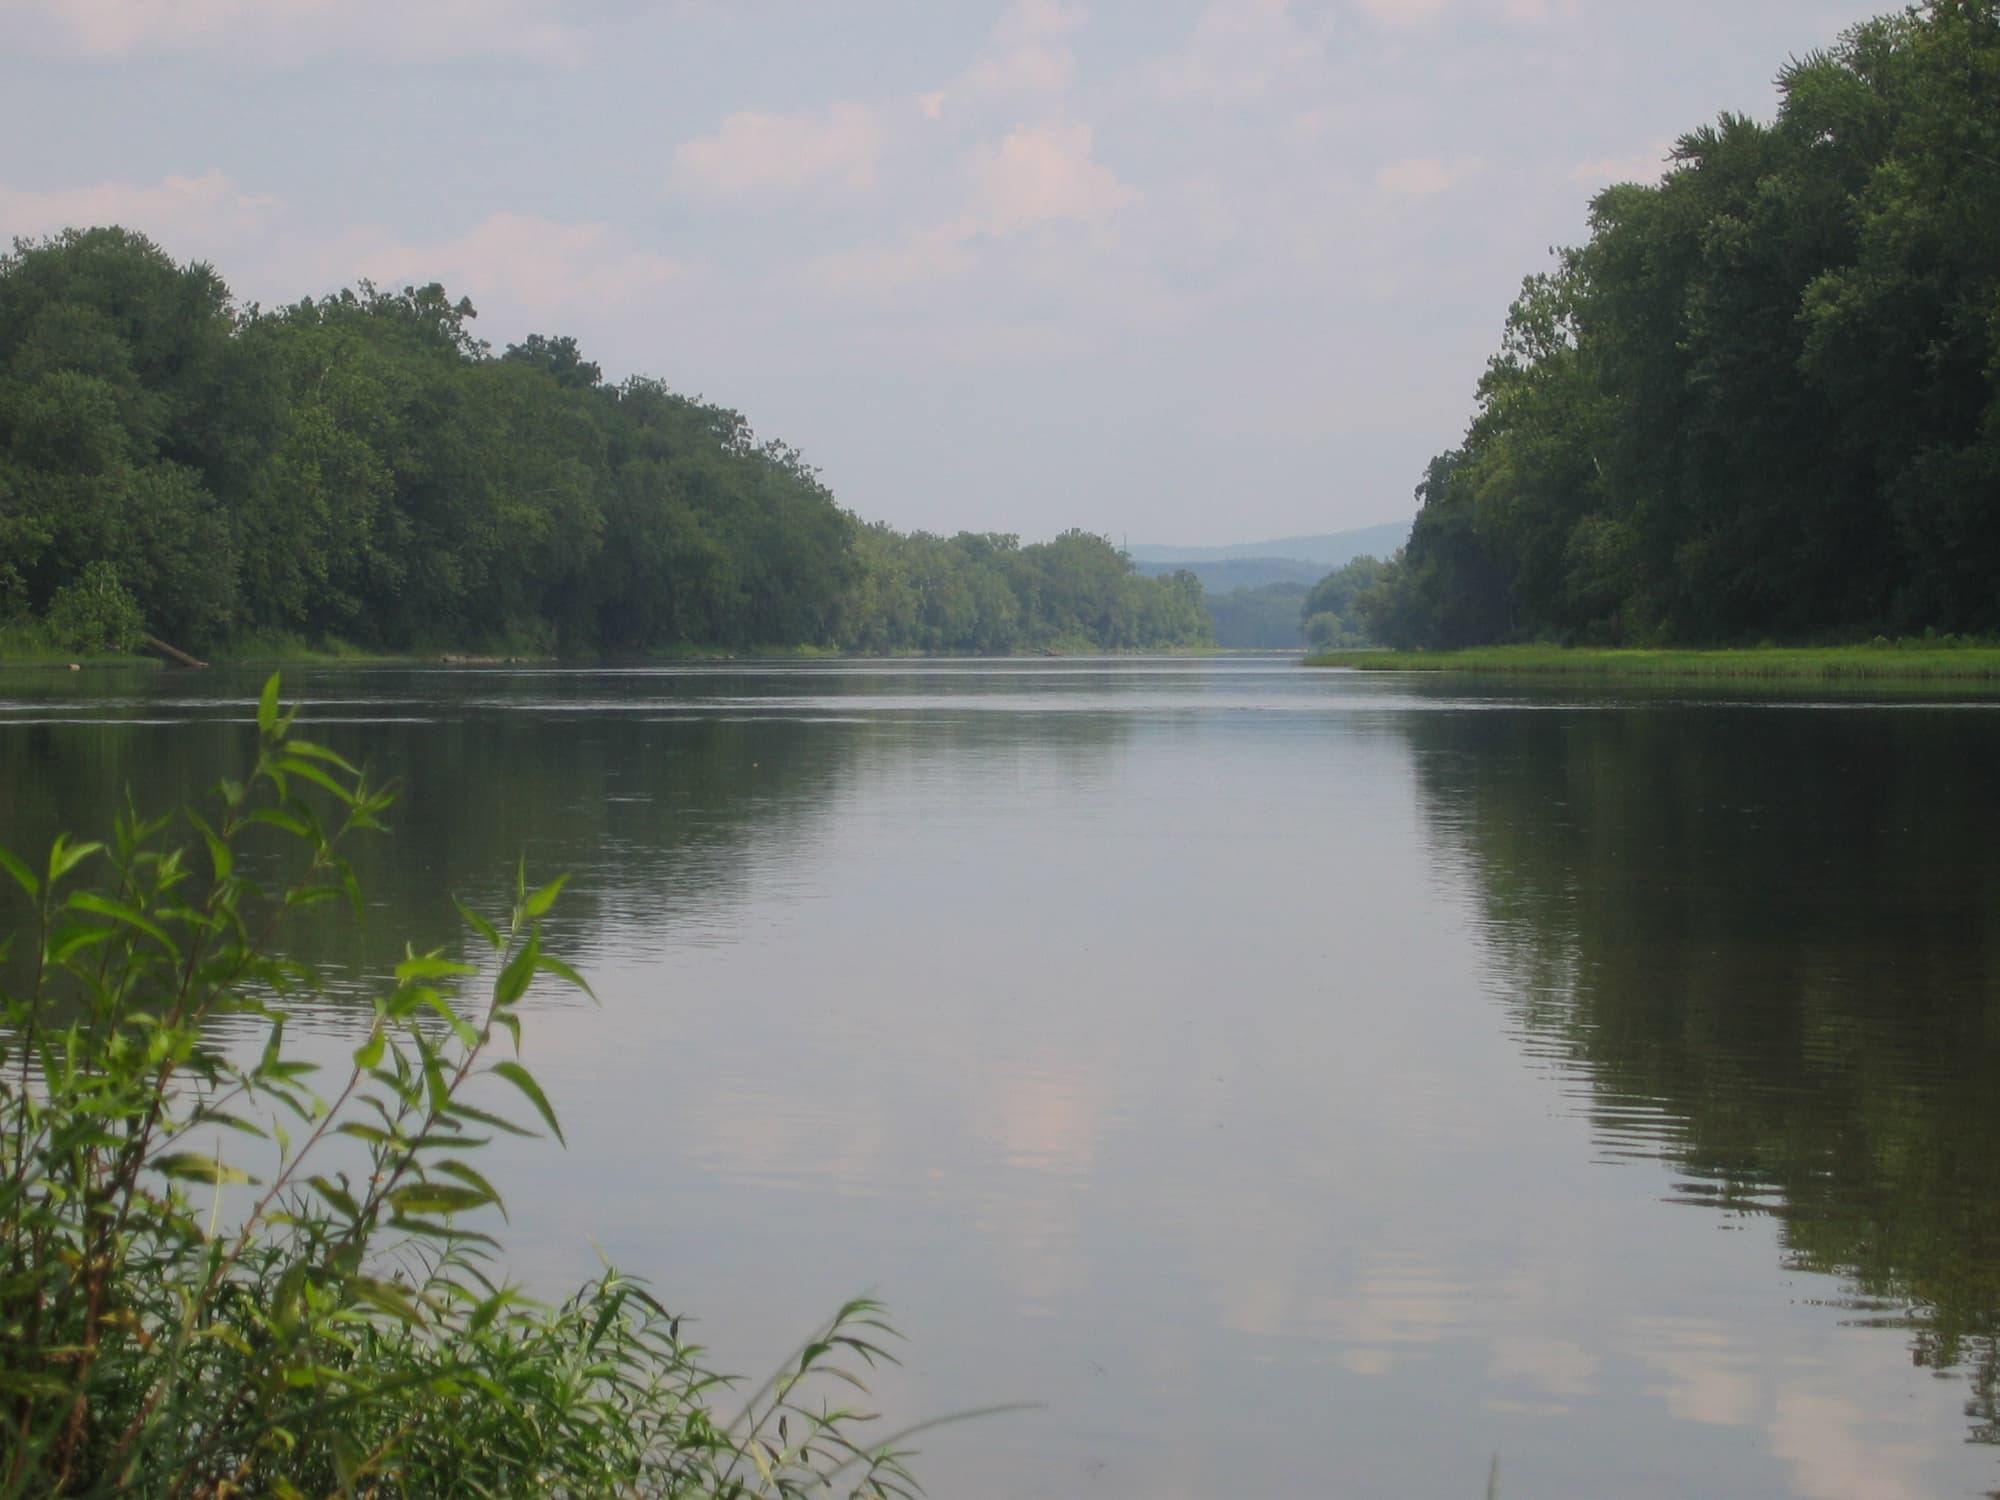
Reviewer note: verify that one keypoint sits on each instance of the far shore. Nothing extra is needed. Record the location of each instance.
(1914, 661)
(264, 654)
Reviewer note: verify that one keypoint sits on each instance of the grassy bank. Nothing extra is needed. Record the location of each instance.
(1913, 661)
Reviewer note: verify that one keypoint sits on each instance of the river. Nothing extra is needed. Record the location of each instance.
(1297, 1083)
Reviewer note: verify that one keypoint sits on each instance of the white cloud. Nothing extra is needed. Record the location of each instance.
(754, 153)
(1034, 178)
(1641, 166)
(1414, 14)
(520, 266)
(529, 265)
(1029, 21)
(1833, 1455)
(920, 258)
(1239, 50)
(1030, 55)
(189, 216)
(1042, 173)
(1422, 176)
(1404, 12)
(287, 31)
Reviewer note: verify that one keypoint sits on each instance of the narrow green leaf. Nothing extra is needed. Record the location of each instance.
(278, 818)
(434, 1081)
(474, 1181)
(459, 1027)
(19, 871)
(479, 924)
(385, 1296)
(520, 971)
(523, 1080)
(342, 1200)
(369, 1053)
(544, 898)
(437, 1198)
(274, 1046)
(551, 965)
(193, 1166)
(65, 856)
(465, 1111)
(296, 767)
(297, 746)
(118, 911)
(267, 707)
(220, 858)
(430, 966)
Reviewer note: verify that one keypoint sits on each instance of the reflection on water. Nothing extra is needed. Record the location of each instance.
(1299, 1081)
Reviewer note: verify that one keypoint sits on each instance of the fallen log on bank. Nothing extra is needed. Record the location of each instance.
(173, 654)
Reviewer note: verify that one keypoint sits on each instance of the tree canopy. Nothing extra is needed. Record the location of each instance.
(363, 466)
(1763, 400)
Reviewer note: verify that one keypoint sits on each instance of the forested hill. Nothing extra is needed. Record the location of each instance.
(363, 467)
(1764, 398)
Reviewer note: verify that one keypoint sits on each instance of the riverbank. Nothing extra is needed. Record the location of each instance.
(1915, 661)
(265, 652)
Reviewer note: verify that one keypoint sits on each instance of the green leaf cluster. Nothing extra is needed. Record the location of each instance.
(225, 1271)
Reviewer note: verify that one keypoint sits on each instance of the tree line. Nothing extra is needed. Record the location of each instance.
(1763, 399)
(361, 467)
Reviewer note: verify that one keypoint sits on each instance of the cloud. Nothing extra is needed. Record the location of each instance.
(1034, 178)
(288, 31)
(1422, 176)
(521, 266)
(186, 215)
(755, 153)
(1239, 50)
(1642, 166)
(529, 265)
(1030, 21)
(1410, 15)
(1042, 173)
(1029, 55)
(1404, 12)
(919, 258)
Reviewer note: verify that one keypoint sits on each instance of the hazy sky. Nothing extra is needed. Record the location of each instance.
(1173, 270)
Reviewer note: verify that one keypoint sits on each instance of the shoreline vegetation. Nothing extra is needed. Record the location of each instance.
(25, 653)
(49, 659)
(360, 467)
(1913, 661)
(227, 1271)
(1761, 401)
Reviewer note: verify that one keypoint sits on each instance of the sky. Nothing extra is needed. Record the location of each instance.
(1173, 271)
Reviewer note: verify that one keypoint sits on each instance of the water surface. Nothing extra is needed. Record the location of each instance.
(1300, 1082)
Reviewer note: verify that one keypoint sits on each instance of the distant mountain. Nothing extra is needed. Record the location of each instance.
(1329, 550)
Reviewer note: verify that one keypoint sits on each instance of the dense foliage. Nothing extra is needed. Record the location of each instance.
(1336, 612)
(1764, 398)
(362, 467)
(1266, 616)
(221, 1276)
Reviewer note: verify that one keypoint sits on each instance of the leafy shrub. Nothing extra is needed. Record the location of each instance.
(95, 613)
(173, 1326)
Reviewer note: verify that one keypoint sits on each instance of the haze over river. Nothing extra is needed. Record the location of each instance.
(1301, 1083)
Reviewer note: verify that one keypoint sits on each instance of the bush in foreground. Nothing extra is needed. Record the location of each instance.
(173, 1325)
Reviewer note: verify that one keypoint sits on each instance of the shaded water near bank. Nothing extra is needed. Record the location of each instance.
(1301, 1082)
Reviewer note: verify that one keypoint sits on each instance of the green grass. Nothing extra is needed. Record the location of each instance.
(27, 644)
(1884, 662)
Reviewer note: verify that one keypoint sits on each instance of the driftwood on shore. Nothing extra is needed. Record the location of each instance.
(173, 654)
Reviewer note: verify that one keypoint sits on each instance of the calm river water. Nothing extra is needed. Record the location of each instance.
(1300, 1083)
